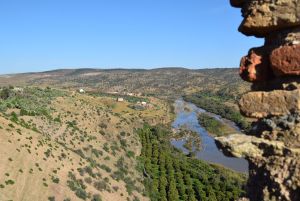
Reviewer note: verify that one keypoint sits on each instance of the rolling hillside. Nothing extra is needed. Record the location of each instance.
(59, 144)
(164, 82)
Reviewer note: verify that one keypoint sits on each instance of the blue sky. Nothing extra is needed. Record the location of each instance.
(38, 35)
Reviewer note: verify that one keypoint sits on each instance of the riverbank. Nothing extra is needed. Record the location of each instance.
(215, 127)
(209, 152)
(192, 139)
(214, 104)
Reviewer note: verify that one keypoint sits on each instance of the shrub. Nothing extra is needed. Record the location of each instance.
(52, 198)
(129, 185)
(78, 186)
(105, 147)
(100, 185)
(130, 154)
(9, 182)
(47, 153)
(106, 168)
(14, 117)
(80, 153)
(5, 93)
(81, 193)
(89, 170)
(88, 180)
(96, 198)
(123, 143)
(55, 180)
(102, 132)
(102, 125)
(57, 119)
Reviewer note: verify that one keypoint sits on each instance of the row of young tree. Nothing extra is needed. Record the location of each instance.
(170, 175)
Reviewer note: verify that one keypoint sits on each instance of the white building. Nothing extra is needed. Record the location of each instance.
(120, 99)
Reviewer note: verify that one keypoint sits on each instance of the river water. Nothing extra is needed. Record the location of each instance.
(186, 115)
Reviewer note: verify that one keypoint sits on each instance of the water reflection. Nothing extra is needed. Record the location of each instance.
(187, 116)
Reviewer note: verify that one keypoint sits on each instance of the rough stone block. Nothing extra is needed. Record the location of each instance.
(274, 103)
(286, 60)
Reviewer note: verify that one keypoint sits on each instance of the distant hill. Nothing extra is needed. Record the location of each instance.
(159, 82)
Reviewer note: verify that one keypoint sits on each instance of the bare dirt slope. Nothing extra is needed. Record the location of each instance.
(61, 145)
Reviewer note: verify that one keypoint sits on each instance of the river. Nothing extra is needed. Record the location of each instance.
(186, 115)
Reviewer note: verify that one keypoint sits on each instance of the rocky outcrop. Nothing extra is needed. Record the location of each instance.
(274, 167)
(274, 158)
(256, 65)
(262, 17)
(260, 104)
(285, 60)
(272, 146)
(278, 22)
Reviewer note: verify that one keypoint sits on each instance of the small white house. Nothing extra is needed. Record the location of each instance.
(144, 103)
(120, 99)
(81, 91)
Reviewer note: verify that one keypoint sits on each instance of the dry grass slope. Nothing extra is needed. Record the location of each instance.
(80, 148)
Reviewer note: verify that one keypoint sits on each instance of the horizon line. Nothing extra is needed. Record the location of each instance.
(115, 68)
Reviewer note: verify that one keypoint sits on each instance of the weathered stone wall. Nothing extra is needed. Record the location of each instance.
(272, 147)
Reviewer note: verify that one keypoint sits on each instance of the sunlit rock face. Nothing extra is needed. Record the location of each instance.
(262, 17)
(272, 146)
(255, 67)
(285, 60)
(278, 21)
